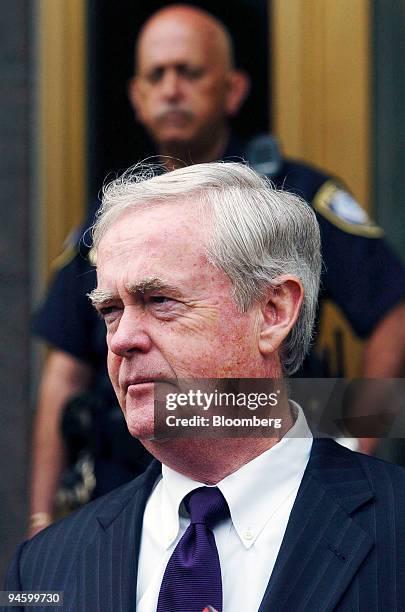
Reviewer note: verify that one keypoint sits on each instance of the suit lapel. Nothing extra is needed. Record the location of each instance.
(321, 551)
(107, 568)
(323, 546)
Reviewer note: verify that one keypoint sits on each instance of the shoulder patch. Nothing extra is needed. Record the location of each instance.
(70, 250)
(340, 208)
(64, 258)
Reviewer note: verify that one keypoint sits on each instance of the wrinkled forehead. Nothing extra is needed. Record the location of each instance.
(156, 230)
(159, 244)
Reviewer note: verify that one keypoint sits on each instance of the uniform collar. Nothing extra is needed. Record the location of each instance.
(254, 493)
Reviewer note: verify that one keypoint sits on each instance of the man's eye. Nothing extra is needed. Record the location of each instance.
(108, 312)
(159, 299)
(191, 73)
(155, 76)
(163, 307)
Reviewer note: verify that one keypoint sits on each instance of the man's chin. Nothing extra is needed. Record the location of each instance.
(139, 410)
(139, 425)
(174, 140)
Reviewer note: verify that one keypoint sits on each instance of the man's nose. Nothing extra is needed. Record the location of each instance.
(171, 85)
(130, 336)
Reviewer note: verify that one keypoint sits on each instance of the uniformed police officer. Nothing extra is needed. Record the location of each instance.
(184, 91)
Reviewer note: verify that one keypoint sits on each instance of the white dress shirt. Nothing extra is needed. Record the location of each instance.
(260, 497)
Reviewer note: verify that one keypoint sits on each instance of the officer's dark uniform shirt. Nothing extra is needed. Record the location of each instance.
(361, 273)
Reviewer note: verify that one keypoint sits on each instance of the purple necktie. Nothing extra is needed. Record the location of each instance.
(192, 578)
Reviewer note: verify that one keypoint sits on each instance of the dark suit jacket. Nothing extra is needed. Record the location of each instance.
(344, 547)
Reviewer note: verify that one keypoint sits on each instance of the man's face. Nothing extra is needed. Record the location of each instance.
(181, 91)
(169, 313)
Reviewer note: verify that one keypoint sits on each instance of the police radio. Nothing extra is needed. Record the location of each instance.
(263, 155)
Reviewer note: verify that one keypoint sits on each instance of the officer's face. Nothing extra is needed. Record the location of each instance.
(169, 313)
(183, 89)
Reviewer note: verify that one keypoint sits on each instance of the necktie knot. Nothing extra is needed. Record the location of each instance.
(206, 505)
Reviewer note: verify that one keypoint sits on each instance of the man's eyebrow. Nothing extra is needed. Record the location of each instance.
(98, 297)
(147, 285)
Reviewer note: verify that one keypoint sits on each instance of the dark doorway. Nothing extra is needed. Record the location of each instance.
(116, 141)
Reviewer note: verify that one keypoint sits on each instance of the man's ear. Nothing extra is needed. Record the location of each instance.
(238, 89)
(280, 311)
(135, 96)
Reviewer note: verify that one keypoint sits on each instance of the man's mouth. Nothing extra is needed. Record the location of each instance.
(144, 381)
(138, 382)
(175, 117)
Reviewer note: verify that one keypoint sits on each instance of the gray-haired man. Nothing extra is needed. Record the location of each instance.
(208, 272)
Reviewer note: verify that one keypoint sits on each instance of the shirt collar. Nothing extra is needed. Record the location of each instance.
(255, 492)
